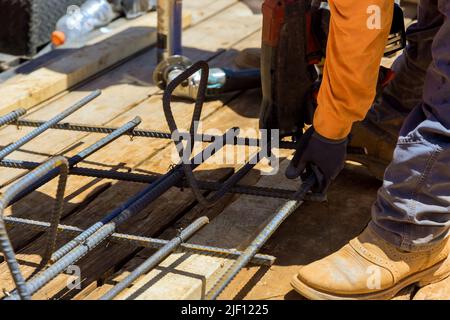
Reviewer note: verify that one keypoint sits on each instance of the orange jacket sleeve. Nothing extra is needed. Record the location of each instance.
(358, 34)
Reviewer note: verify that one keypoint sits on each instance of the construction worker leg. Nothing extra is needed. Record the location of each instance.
(379, 131)
(405, 91)
(411, 210)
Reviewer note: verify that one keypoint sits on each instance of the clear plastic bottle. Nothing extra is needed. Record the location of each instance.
(80, 21)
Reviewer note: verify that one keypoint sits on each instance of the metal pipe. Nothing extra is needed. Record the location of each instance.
(97, 233)
(81, 156)
(282, 214)
(47, 125)
(145, 178)
(12, 116)
(7, 197)
(156, 258)
(138, 241)
(169, 28)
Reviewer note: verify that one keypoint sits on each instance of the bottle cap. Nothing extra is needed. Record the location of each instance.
(58, 38)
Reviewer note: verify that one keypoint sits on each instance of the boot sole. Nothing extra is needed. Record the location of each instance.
(422, 279)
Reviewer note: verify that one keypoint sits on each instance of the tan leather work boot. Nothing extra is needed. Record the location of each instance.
(370, 268)
(379, 149)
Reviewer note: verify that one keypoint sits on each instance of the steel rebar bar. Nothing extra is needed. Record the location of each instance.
(139, 241)
(156, 258)
(282, 214)
(12, 116)
(47, 125)
(52, 234)
(67, 126)
(7, 197)
(146, 178)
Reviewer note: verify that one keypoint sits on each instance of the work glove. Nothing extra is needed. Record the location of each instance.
(316, 155)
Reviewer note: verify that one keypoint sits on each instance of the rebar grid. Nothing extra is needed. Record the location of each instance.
(179, 176)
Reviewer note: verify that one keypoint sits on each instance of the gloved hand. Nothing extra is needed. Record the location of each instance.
(320, 156)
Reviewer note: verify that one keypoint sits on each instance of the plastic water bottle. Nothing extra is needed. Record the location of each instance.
(80, 21)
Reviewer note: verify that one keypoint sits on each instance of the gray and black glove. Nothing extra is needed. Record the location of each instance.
(320, 156)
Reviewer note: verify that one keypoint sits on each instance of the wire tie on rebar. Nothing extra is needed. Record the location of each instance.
(85, 243)
(179, 234)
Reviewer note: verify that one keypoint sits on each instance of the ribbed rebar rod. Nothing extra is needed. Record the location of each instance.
(67, 126)
(7, 196)
(145, 178)
(139, 241)
(156, 258)
(47, 125)
(12, 116)
(57, 210)
(81, 156)
(55, 219)
(140, 200)
(285, 211)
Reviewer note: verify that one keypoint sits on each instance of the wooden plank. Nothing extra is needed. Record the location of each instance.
(44, 83)
(26, 91)
(205, 9)
(152, 117)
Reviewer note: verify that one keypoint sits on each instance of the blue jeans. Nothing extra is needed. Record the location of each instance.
(412, 210)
